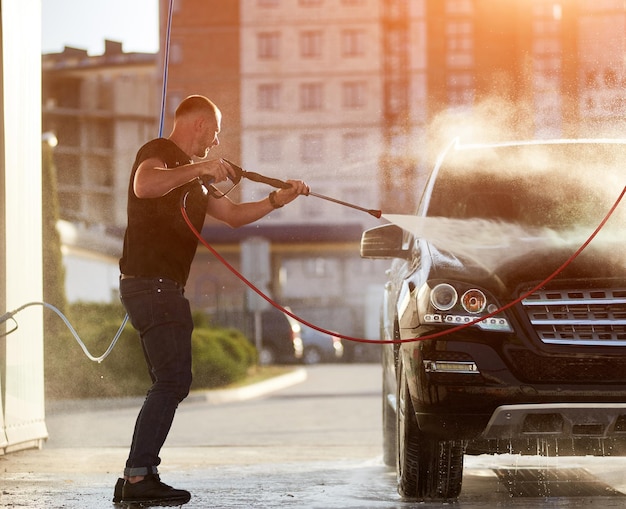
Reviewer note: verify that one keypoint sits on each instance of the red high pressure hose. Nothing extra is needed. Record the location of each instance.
(397, 341)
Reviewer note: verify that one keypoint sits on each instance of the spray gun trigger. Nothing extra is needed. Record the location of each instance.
(207, 180)
(238, 171)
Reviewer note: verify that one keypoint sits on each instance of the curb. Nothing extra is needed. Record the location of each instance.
(215, 396)
(218, 396)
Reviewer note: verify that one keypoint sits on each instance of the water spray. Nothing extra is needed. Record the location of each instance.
(281, 184)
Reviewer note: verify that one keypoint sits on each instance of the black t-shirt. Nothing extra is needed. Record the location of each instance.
(158, 241)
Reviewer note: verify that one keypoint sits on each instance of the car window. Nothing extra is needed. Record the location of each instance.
(547, 186)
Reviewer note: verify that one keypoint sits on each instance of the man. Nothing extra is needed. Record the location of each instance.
(158, 250)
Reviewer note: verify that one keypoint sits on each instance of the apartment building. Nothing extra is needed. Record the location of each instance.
(601, 72)
(312, 90)
(100, 109)
(559, 63)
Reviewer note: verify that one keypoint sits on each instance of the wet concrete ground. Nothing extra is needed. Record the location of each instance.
(238, 481)
(306, 445)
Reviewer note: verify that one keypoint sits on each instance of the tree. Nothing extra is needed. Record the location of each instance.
(53, 270)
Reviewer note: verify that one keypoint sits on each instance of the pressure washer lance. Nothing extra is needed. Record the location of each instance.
(257, 177)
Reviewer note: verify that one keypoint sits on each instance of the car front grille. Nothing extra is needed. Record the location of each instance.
(534, 368)
(594, 317)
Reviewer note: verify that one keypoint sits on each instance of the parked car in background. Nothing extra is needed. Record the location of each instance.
(319, 346)
(281, 342)
(531, 352)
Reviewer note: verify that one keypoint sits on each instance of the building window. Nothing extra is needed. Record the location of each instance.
(311, 148)
(460, 44)
(173, 100)
(270, 148)
(311, 96)
(268, 44)
(353, 146)
(311, 44)
(459, 6)
(100, 133)
(316, 267)
(460, 88)
(353, 94)
(591, 79)
(268, 96)
(353, 43)
(610, 78)
(104, 97)
(98, 171)
(176, 52)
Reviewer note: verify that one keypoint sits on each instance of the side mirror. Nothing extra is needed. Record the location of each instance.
(386, 241)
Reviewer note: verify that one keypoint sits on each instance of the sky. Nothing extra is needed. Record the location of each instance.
(85, 24)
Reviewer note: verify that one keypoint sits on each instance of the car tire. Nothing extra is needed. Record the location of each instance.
(389, 427)
(312, 355)
(427, 468)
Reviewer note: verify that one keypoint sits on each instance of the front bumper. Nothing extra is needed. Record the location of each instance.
(467, 391)
(560, 420)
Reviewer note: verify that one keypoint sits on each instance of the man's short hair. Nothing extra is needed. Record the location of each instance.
(197, 104)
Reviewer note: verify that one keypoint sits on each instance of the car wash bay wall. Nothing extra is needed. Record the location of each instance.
(22, 410)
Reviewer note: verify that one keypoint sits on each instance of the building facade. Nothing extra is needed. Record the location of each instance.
(101, 109)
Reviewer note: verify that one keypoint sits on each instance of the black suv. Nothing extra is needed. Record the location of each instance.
(525, 336)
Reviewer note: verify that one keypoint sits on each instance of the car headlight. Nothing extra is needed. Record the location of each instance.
(474, 301)
(443, 297)
(443, 306)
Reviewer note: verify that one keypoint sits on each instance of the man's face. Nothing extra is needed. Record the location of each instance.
(208, 131)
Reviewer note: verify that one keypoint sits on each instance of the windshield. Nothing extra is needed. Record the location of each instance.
(557, 186)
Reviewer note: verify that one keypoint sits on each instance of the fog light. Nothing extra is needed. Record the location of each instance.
(462, 367)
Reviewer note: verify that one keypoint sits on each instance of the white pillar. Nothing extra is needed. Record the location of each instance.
(23, 409)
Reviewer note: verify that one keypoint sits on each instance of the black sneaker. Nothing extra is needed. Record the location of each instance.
(117, 492)
(151, 491)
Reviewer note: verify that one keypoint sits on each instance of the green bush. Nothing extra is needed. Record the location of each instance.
(70, 374)
(220, 356)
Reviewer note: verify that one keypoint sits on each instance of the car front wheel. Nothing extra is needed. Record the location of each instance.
(389, 411)
(427, 467)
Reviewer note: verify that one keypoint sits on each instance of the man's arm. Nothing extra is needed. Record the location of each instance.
(239, 214)
(153, 179)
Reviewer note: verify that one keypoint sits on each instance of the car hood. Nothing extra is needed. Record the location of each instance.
(505, 268)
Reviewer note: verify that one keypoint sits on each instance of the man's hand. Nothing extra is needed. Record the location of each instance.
(216, 170)
(286, 195)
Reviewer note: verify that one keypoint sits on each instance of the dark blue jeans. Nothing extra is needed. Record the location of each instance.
(159, 311)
